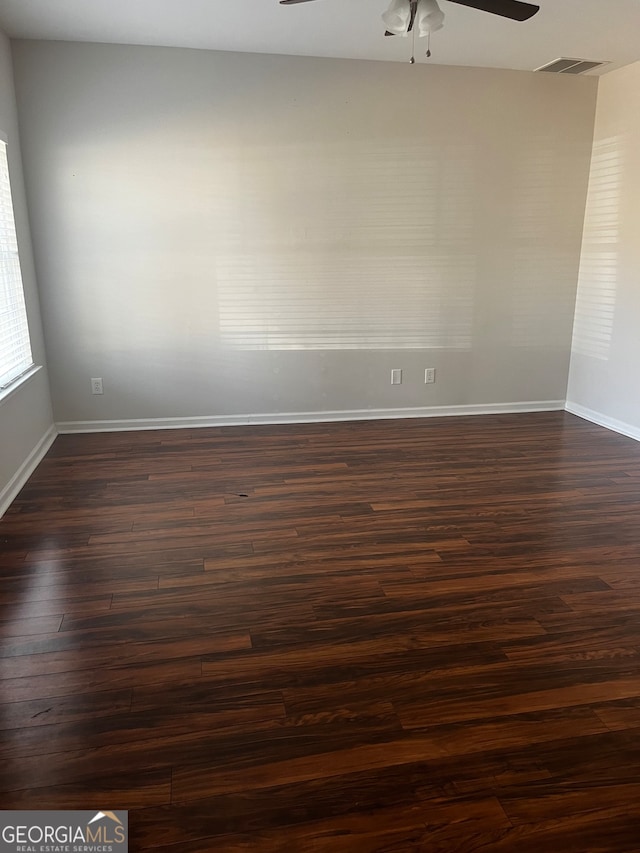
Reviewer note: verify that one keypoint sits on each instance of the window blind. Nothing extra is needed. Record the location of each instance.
(15, 346)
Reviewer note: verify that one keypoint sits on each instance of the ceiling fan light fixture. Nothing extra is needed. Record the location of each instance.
(397, 18)
(430, 17)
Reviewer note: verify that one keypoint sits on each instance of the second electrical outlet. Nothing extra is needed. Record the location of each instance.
(429, 375)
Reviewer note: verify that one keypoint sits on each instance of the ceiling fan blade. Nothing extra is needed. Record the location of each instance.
(513, 9)
(291, 2)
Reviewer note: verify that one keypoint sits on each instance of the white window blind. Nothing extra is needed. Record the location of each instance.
(15, 346)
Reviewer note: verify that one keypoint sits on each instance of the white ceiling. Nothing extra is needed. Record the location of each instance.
(589, 29)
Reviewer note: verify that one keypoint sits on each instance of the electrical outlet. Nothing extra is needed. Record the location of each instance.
(429, 375)
(96, 386)
(396, 377)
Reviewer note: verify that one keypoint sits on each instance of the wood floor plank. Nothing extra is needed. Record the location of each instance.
(123, 790)
(86, 605)
(124, 726)
(68, 709)
(34, 657)
(30, 626)
(196, 783)
(432, 825)
(417, 635)
(27, 687)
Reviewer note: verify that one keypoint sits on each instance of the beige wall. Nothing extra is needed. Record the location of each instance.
(25, 416)
(228, 234)
(603, 382)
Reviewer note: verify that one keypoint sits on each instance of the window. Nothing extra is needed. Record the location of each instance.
(15, 346)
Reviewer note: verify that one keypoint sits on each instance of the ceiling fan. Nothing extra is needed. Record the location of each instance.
(401, 15)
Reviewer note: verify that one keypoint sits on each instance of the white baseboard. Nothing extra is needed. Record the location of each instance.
(309, 417)
(603, 420)
(10, 491)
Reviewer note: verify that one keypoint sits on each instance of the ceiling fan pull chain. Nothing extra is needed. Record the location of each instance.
(429, 45)
(413, 47)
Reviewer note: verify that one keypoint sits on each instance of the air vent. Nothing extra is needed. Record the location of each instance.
(570, 66)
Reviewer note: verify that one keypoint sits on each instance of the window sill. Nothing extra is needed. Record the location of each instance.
(17, 384)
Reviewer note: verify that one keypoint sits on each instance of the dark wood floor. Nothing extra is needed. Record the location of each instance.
(386, 636)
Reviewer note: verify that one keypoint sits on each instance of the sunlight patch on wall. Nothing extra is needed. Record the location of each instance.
(351, 245)
(598, 277)
(543, 270)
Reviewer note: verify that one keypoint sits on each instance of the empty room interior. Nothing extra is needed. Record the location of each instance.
(320, 423)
